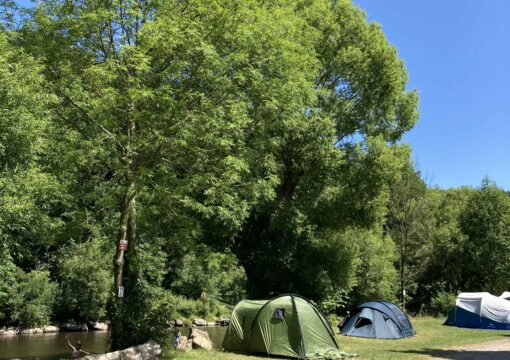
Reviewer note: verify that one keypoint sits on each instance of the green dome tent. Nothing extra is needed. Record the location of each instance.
(287, 325)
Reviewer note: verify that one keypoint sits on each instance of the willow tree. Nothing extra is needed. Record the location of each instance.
(158, 97)
(335, 161)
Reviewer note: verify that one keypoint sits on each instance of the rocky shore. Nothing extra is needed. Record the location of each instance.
(66, 327)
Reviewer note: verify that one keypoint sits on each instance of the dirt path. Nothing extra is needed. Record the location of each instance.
(491, 350)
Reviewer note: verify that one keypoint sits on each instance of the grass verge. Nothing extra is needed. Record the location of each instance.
(431, 335)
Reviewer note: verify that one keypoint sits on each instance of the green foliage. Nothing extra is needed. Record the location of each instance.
(233, 143)
(216, 274)
(7, 280)
(443, 269)
(333, 304)
(486, 223)
(86, 282)
(410, 225)
(23, 107)
(442, 303)
(32, 298)
(375, 274)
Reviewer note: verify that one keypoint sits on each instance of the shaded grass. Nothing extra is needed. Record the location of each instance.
(431, 337)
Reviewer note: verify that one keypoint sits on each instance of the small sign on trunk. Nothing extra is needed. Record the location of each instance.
(123, 245)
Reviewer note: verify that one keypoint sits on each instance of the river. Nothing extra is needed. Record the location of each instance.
(54, 346)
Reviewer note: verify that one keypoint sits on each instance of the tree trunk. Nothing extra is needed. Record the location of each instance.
(126, 271)
(402, 272)
(124, 221)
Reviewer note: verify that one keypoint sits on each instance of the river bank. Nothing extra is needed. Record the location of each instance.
(53, 346)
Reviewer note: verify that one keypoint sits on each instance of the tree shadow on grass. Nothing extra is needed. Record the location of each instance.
(460, 354)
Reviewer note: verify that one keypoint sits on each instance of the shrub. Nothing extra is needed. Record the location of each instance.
(218, 274)
(86, 282)
(442, 303)
(7, 281)
(32, 298)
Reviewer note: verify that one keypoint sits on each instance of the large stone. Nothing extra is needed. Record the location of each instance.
(179, 323)
(147, 351)
(199, 322)
(30, 331)
(50, 329)
(70, 327)
(184, 344)
(9, 331)
(201, 339)
(100, 326)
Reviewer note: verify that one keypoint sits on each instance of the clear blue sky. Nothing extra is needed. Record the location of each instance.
(457, 53)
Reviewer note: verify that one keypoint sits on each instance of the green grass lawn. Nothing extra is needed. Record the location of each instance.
(431, 335)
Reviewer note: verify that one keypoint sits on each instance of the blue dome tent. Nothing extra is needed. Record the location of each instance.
(380, 320)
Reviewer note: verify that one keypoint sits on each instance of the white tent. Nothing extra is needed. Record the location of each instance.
(482, 310)
(505, 295)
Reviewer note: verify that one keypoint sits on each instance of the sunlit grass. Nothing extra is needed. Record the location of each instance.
(431, 335)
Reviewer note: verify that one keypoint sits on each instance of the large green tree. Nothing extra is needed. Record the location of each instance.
(336, 164)
(156, 104)
(410, 223)
(485, 222)
(270, 128)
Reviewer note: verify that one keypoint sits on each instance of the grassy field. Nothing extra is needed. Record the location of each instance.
(431, 335)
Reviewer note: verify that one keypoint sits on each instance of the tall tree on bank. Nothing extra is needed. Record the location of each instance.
(267, 126)
(410, 224)
(163, 91)
(486, 252)
(336, 164)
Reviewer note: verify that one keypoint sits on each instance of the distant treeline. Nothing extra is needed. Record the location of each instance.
(240, 148)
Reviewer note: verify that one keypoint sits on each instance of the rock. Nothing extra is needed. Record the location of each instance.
(212, 323)
(9, 331)
(69, 327)
(30, 331)
(101, 326)
(50, 329)
(201, 339)
(179, 323)
(184, 344)
(147, 351)
(199, 322)
(171, 323)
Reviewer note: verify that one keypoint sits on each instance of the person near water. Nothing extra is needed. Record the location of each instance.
(76, 349)
(177, 339)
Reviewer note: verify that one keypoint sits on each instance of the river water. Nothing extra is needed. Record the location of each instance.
(54, 346)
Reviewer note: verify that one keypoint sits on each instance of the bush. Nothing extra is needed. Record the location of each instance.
(32, 298)
(334, 303)
(7, 281)
(442, 303)
(86, 282)
(218, 274)
(189, 309)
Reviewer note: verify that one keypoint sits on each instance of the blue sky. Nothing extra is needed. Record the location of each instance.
(457, 53)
